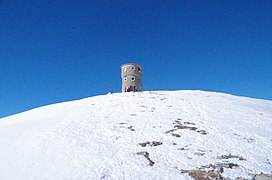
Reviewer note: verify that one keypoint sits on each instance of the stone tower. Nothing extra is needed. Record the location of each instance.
(131, 77)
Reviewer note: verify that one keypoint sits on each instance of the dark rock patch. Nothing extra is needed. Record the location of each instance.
(176, 135)
(189, 123)
(146, 155)
(199, 153)
(131, 128)
(186, 125)
(169, 131)
(203, 175)
(231, 156)
(152, 143)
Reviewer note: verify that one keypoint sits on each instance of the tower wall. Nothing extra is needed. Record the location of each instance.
(131, 77)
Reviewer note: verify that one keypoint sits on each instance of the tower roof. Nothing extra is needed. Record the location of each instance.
(130, 64)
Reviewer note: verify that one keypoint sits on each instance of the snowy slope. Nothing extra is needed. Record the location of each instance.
(148, 135)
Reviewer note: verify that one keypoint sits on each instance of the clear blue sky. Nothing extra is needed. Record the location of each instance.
(54, 51)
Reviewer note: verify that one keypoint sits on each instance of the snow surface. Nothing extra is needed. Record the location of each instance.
(98, 137)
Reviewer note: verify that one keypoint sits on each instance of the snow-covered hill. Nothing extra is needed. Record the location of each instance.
(148, 135)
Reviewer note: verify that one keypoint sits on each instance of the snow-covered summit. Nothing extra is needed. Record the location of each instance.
(148, 135)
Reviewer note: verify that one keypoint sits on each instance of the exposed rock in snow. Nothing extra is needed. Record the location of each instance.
(148, 135)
